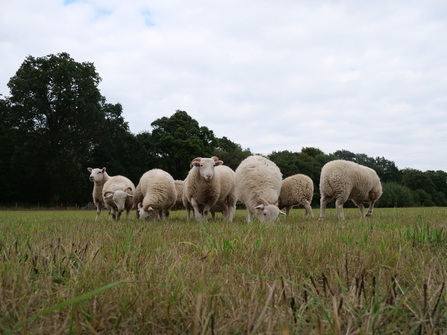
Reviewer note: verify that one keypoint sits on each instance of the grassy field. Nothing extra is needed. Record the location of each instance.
(64, 273)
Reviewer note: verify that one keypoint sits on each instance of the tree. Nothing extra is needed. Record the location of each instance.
(179, 139)
(312, 152)
(231, 153)
(55, 108)
(115, 147)
(387, 170)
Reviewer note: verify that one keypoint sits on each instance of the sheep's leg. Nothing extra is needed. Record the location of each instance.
(249, 216)
(188, 211)
(206, 210)
(98, 209)
(323, 202)
(308, 208)
(225, 212)
(370, 209)
(195, 205)
(288, 208)
(360, 206)
(339, 205)
(232, 213)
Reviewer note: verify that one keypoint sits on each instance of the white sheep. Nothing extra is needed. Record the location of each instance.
(345, 181)
(258, 184)
(209, 184)
(296, 190)
(155, 195)
(118, 196)
(179, 189)
(99, 178)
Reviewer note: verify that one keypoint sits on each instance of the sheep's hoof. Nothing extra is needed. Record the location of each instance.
(320, 219)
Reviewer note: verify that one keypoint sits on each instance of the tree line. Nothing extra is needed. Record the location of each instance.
(55, 123)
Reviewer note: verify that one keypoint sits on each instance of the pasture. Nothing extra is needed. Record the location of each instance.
(62, 272)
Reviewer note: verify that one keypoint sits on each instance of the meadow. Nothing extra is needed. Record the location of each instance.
(62, 272)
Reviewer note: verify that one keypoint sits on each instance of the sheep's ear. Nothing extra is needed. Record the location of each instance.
(89, 169)
(282, 213)
(262, 201)
(148, 208)
(108, 194)
(261, 206)
(195, 162)
(103, 169)
(217, 163)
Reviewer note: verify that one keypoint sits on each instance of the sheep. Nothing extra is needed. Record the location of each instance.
(155, 195)
(347, 180)
(258, 184)
(118, 196)
(99, 178)
(179, 189)
(209, 184)
(296, 190)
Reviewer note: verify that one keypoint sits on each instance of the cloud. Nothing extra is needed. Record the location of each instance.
(369, 77)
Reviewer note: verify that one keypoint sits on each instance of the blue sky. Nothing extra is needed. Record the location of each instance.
(368, 77)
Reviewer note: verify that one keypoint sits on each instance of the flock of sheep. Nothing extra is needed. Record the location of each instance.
(211, 187)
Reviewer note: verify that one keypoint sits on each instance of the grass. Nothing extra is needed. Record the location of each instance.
(62, 272)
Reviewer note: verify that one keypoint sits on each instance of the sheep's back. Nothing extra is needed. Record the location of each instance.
(258, 177)
(341, 176)
(116, 183)
(296, 188)
(158, 188)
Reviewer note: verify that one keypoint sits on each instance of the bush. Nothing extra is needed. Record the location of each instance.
(395, 195)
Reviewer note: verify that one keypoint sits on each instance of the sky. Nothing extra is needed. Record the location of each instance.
(364, 76)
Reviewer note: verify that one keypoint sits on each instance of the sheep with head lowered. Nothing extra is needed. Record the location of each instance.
(209, 184)
(155, 195)
(345, 180)
(118, 196)
(179, 201)
(99, 178)
(258, 184)
(296, 190)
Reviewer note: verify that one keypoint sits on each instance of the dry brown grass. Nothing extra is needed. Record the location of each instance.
(64, 273)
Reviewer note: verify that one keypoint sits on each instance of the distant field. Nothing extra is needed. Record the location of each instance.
(62, 272)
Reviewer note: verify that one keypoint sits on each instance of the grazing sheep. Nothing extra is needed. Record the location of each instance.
(179, 189)
(258, 184)
(155, 195)
(99, 178)
(118, 196)
(209, 184)
(347, 180)
(296, 190)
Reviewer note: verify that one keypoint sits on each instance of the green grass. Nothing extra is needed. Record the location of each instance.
(62, 272)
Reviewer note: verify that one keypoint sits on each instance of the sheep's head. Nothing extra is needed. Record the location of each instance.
(96, 174)
(206, 166)
(147, 212)
(119, 198)
(264, 210)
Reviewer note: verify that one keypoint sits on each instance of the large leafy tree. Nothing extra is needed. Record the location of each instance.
(55, 107)
(178, 139)
(115, 147)
(231, 153)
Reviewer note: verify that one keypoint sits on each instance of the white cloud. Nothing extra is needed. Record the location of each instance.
(369, 77)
